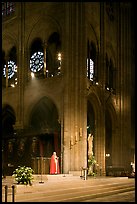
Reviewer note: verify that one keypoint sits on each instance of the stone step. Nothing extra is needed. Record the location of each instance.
(9, 180)
(75, 173)
(51, 177)
(36, 184)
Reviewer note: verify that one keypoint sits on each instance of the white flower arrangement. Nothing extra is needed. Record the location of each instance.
(23, 175)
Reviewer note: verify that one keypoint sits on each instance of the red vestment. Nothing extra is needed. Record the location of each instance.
(54, 167)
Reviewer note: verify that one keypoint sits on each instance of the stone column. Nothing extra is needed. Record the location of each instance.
(75, 145)
(101, 119)
(7, 71)
(125, 82)
(21, 66)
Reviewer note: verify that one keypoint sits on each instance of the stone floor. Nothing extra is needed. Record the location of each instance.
(69, 188)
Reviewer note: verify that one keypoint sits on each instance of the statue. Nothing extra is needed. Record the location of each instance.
(90, 144)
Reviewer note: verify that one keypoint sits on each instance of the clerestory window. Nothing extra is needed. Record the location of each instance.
(91, 59)
(8, 8)
(90, 69)
(110, 75)
(10, 68)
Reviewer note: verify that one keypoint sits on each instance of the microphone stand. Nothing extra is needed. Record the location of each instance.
(41, 171)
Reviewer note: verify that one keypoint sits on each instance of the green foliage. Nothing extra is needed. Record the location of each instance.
(91, 164)
(91, 160)
(92, 174)
(23, 175)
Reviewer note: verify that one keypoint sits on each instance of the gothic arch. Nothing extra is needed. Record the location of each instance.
(41, 30)
(96, 103)
(99, 146)
(8, 41)
(44, 111)
(92, 51)
(110, 135)
(45, 31)
(111, 53)
(45, 126)
(8, 120)
(113, 114)
(93, 36)
(32, 103)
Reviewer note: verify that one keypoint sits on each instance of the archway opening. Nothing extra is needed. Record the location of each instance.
(8, 120)
(44, 121)
(90, 138)
(108, 141)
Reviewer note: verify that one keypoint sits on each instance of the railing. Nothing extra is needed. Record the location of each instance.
(41, 165)
(13, 193)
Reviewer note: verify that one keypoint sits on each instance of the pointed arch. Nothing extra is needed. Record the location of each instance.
(99, 133)
(44, 115)
(111, 136)
(8, 120)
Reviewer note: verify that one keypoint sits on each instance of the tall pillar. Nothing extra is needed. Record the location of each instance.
(101, 121)
(125, 81)
(75, 114)
(6, 71)
(21, 66)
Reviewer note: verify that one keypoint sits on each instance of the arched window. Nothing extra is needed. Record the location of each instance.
(8, 8)
(91, 59)
(11, 66)
(37, 58)
(8, 120)
(110, 75)
(110, 10)
(45, 57)
(54, 55)
(107, 71)
(3, 64)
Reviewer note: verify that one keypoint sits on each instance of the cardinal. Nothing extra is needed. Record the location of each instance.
(54, 164)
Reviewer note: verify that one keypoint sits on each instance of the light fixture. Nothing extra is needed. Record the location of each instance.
(12, 85)
(32, 75)
(59, 56)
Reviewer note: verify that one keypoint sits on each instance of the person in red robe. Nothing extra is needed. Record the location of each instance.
(54, 164)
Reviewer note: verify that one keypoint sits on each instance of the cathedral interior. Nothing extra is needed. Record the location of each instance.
(68, 71)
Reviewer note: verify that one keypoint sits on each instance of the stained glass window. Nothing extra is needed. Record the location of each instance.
(37, 61)
(12, 68)
(90, 69)
(7, 8)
